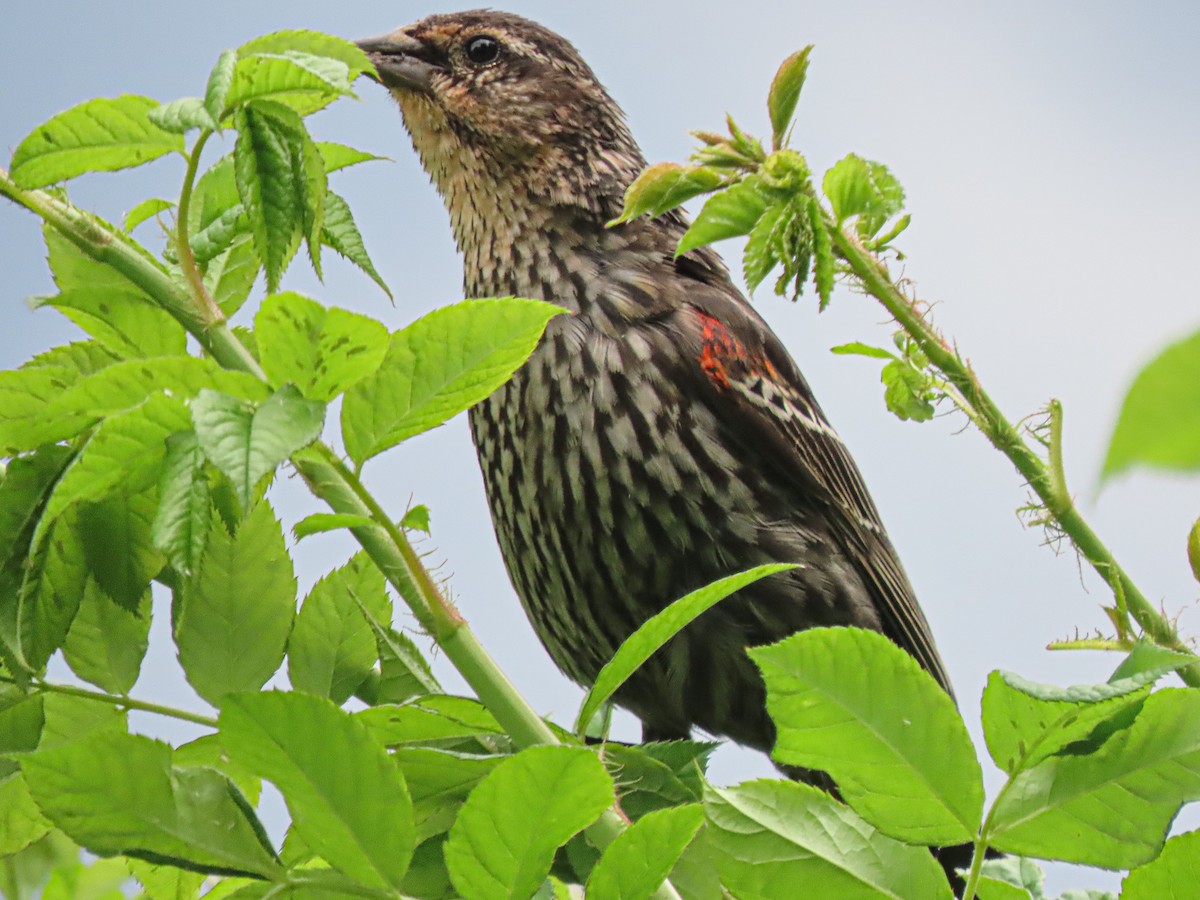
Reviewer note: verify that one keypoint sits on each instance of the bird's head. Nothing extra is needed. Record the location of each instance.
(495, 102)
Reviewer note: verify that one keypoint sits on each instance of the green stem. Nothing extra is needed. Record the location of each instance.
(183, 245)
(976, 867)
(117, 700)
(1004, 436)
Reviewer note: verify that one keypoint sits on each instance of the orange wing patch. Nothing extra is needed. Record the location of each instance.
(719, 350)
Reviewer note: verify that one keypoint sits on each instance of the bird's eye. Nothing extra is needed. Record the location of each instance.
(483, 49)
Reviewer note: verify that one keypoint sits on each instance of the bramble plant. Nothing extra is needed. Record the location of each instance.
(132, 460)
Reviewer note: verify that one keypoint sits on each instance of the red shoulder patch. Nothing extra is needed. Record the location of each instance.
(719, 350)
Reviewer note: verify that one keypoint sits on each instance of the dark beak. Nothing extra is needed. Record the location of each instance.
(401, 60)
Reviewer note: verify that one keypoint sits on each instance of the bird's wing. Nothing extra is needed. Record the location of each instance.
(748, 377)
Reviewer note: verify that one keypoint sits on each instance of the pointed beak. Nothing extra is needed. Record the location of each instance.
(402, 61)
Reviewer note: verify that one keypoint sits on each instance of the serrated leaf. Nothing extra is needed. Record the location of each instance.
(435, 718)
(1159, 422)
(207, 751)
(640, 859)
(658, 775)
(24, 396)
(119, 794)
(248, 442)
(313, 43)
(181, 525)
(403, 671)
(1024, 723)
(340, 156)
(236, 618)
(1149, 660)
(79, 357)
(49, 595)
(143, 211)
(906, 391)
(341, 233)
(215, 193)
(1110, 807)
(182, 115)
(664, 186)
(770, 836)
(301, 81)
(163, 882)
(416, 519)
(220, 80)
(729, 213)
(99, 135)
(759, 256)
(503, 842)
(657, 630)
(347, 798)
(120, 554)
(21, 822)
(123, 321)
(230, 275)
(218, 236)
(851, 703)
(107, 642)
(318, 523)
(785, 92)
(824, 265)
(321, 351)
(860, 187)
(332, 647)
(1172, 876)
(70, 719)
(439, 781)
(439, 366)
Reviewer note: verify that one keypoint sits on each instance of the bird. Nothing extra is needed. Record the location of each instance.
(661, 436)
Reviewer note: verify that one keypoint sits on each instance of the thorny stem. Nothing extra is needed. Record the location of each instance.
(328, 478)
(118, 700)
(1045, 482)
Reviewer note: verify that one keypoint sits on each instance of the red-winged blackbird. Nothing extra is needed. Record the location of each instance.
(659, 438)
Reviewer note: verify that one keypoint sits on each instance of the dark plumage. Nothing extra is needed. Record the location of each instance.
(661, 437)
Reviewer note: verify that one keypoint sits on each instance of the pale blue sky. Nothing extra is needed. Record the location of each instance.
(1049, 152)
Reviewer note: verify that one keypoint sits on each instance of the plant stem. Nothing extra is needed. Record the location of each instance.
(183, 246)
(976, 867)
(118, 700)
(875, 279)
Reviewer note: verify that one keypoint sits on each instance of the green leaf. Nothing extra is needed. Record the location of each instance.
(760, 256)
(321, 351)
(1150, 661)
(1109, 807)
(860, 187)
(97, 136)
(220, 80)
(49, 596)
(24, 396)
(416, 519)
(439, 781)
(1025, 723)
(181, 525)
(339, 156)
(658, 775)
(165, 882)
(404, 673)
(72, 719)
(107, 642)
(248, 442)
(640, 859)
(321, 522)
(230, 275)
(341, 233)
(144, 211)
(271, 170)
(439, 366)
(657, 630)
(117, 545)
(851, 703)
(21, 719)
(503, 841)
(332, 647)
(424, 720)
(1172, 876)
(1193, 549)
(1159, 423)
(207, 751)
(824, 265)
(220, 234)
(235, 620)
(1011, 878)
(125, 322)
(729, 213)
(857, 348)
(119, 794)
(21, 822)
(300, 81)
(785, 91)
(182, 115)
(907, 391)
(79, 357)
(216, 192)
(664, 186)
(770, 836)
(313, 43)
(101, 879)
(347, 798)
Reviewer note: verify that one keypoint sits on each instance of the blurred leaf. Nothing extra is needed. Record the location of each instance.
(502, 844)
(322, 522)
(119, 794)
(21, 822)
(341, 233)
(339, 156)
(1193, 549)
(237, 616)
(182, 115)
(248, 442)
(770, 836)
(654, 776)
(71, 719)
(107, 641)
(439, 366)
(657, 630)
(664, 186)
(640, 859)
(332, 647)
(220, 80)
(143, 211)
(321, 351)
(1159, 424)
(728, 213)
(181, 525)
(785, 91)
(424, 720)
(1109, 807)
(1011, 878)
(416, 519)
(860, 187)
(851, 703)
(21, 719)
(97, 136)
(230, 275)
(907, 391)
(100, 879)
(347, 799)
(857, 348)
(1172, 876)
(163, 882)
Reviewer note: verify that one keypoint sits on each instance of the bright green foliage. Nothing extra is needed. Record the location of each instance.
(770, 836)
(637, 862)
(1159, 424)
(503, 841)
(844, 701)
(659, 629)
(96, 136)
(663, 187)
(1173, 876)
(236, 617)
(107, 641)
(785, 93)
(439, 366)
(731, 213)
(348, 800)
